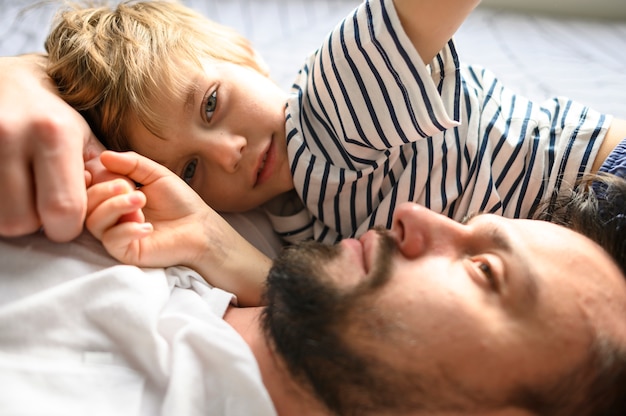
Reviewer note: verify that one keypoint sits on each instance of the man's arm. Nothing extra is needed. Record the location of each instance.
(43, 145)
(431, 23)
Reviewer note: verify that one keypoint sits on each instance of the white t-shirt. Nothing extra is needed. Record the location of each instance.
(81, 334)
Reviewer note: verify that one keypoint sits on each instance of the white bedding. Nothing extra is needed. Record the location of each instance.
(152, 339)
(539, 55)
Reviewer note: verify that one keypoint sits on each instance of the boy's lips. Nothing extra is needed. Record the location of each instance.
(265, 164)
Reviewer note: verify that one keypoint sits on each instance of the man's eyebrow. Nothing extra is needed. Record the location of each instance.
(502, 241)
(529, 286)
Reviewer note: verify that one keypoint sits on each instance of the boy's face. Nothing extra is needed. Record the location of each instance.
(224, 135)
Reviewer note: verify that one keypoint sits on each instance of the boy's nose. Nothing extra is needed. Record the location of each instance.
(418, 230)
(229, 151)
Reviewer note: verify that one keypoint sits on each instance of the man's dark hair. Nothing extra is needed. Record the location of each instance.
(606, 394)
(596, 208)
(596, 387)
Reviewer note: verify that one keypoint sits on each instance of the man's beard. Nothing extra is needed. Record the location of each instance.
(300, 273)
(310, 319)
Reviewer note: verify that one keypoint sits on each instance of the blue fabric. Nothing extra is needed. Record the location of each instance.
(615, 163)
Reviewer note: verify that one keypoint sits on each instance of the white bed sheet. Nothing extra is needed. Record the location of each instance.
(542, 57)
(538, 55)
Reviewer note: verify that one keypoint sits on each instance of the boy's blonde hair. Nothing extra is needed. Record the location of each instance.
(112, 63)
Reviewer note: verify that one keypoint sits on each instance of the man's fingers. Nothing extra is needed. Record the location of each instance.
(18, 215)
(42, 140)
(60, 188)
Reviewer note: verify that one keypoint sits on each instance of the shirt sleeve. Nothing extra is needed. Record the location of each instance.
(367, 86)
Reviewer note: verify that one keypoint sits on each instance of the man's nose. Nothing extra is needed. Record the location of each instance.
(417, 230)
(228, 150)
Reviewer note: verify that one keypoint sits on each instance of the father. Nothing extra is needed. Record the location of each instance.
(491, 317)
(494, 316)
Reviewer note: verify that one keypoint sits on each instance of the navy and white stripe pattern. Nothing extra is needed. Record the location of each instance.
(370, 126)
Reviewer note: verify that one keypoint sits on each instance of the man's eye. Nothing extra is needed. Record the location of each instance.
(190, 171)
(210, 105)
(488, 272)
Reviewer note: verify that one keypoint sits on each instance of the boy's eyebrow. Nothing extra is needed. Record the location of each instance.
(190, 98)
(190, 95)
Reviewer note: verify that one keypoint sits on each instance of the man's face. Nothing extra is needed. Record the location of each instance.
(488, 306)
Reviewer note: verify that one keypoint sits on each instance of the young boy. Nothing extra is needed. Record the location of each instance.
(381, 113)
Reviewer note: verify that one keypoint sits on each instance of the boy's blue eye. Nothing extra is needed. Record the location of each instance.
(190, 171)
(210, 105)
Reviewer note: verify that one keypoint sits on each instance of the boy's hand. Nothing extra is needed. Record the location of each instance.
(180, 229)
(174, 233)
(114, 209)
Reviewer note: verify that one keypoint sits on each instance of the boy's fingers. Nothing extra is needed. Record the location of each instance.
(136, 216)
(119, 241)
(111, 211)
(98, 173)
(138, 168)
(99, 193)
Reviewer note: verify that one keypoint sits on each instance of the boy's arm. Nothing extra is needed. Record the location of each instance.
(430, 24)
(181, 228)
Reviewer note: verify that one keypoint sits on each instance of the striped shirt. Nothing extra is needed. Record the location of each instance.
(369, 126)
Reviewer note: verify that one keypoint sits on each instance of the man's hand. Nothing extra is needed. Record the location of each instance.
(43, 146)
